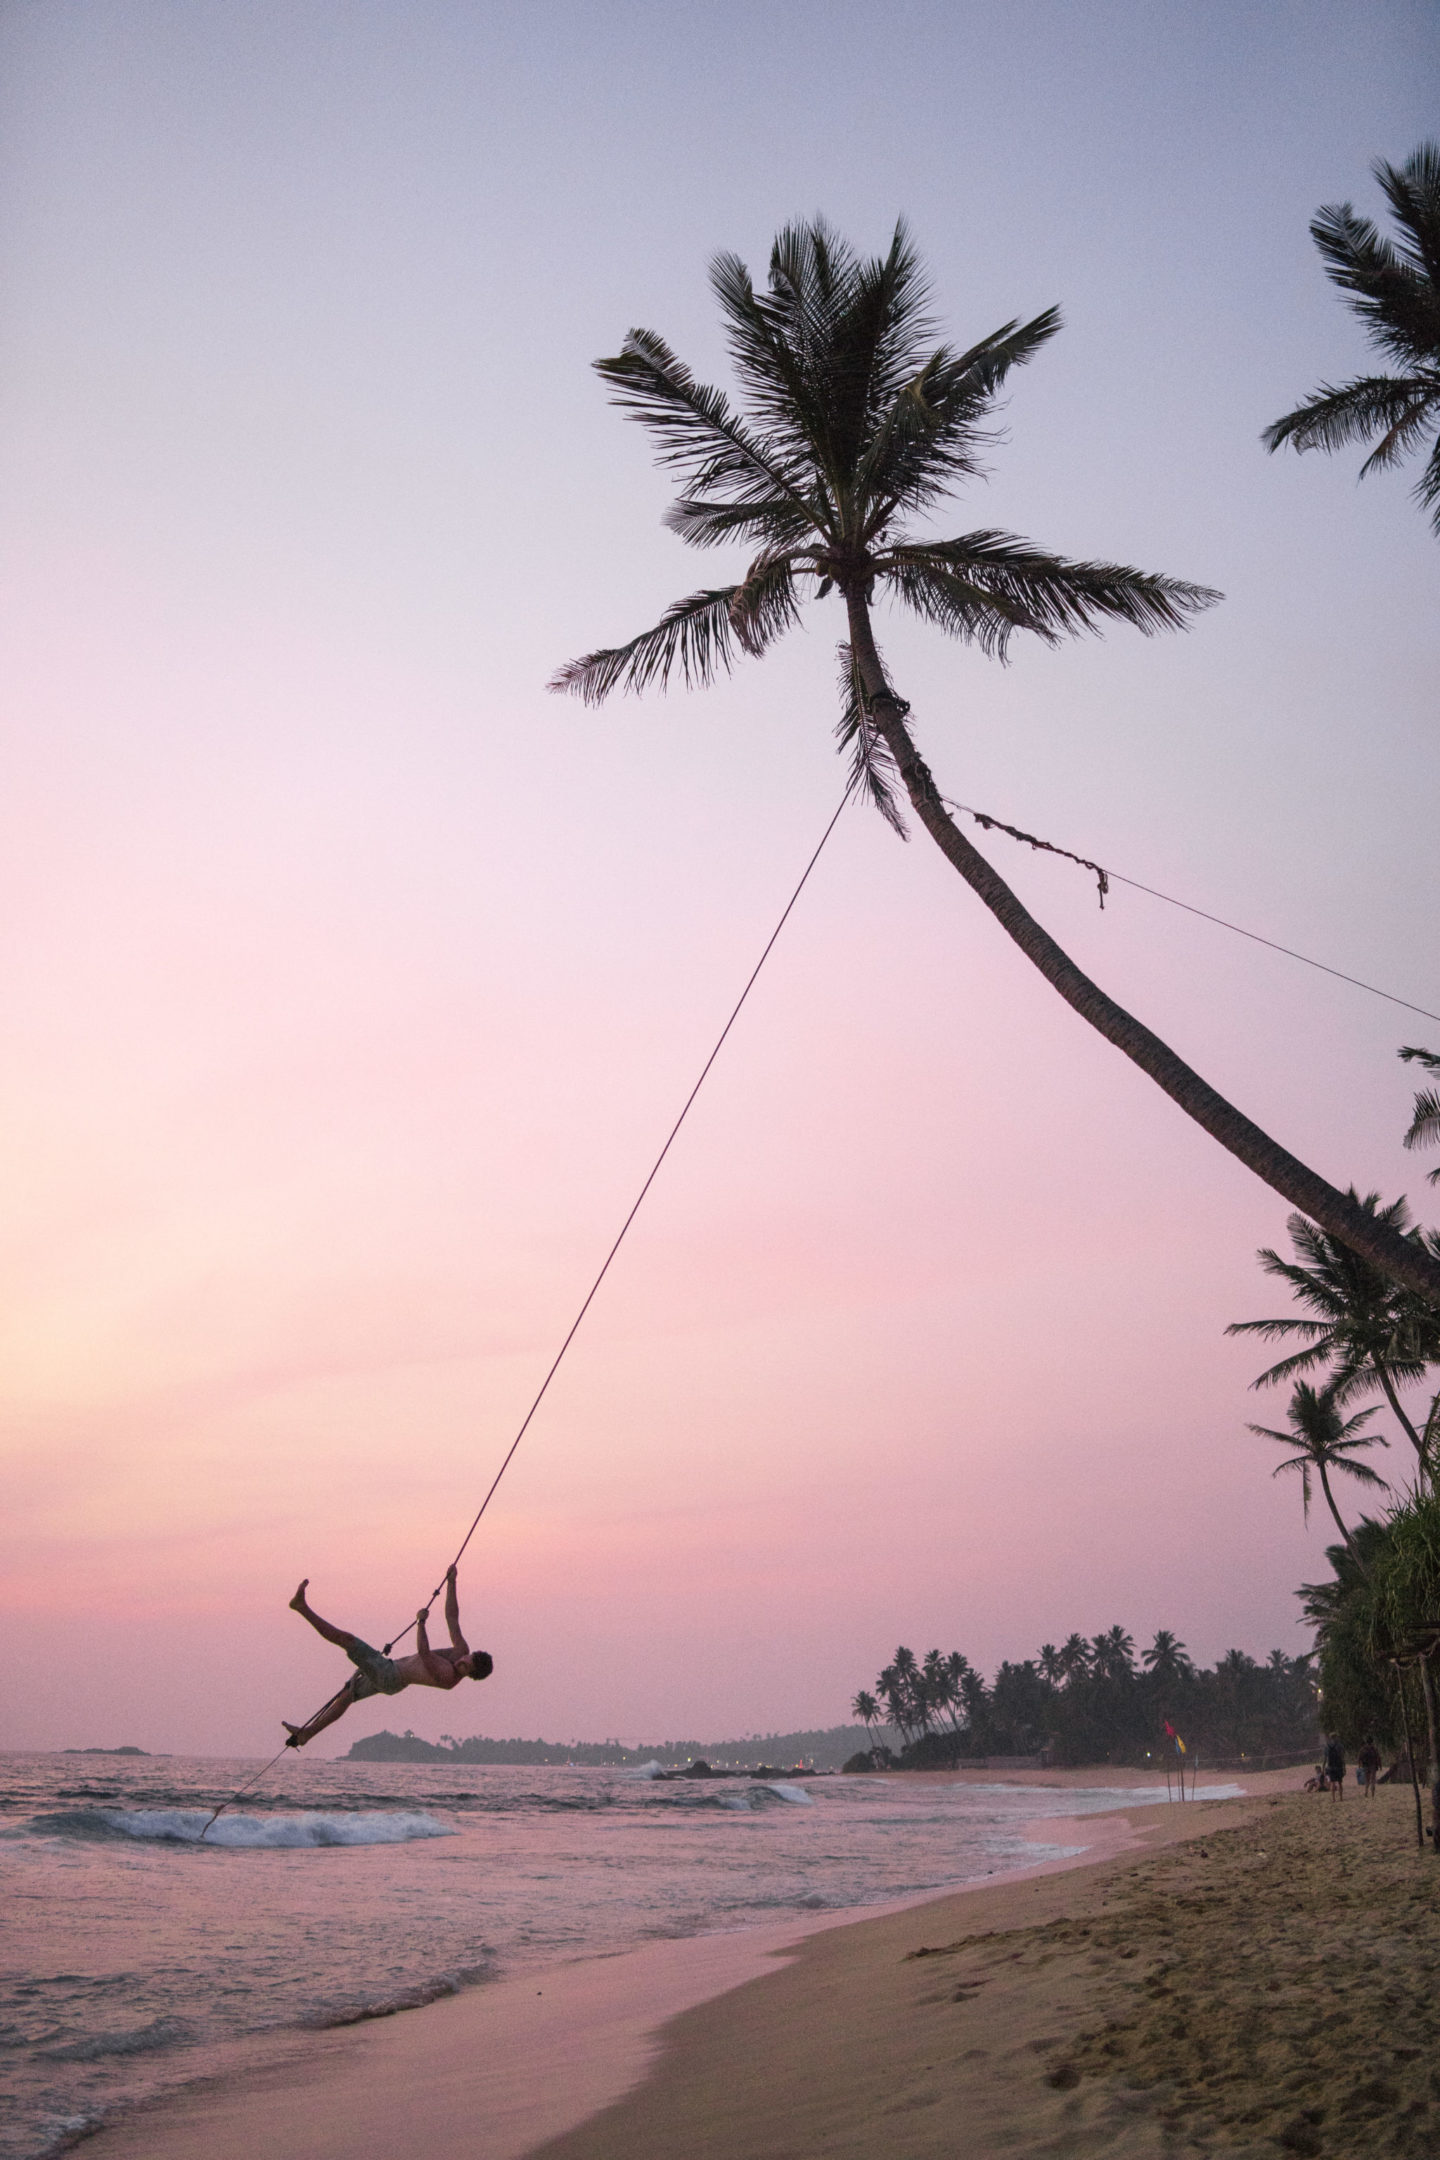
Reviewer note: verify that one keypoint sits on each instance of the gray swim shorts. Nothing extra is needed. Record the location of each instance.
(375, 1674)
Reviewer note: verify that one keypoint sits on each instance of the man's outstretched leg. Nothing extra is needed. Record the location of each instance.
(338, 1704)
(341, 1637)
(335, 1708)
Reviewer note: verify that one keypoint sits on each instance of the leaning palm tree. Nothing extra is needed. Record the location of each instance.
(857, 422)
(1366, 1330)
(1324, 1441)
(1394, 287)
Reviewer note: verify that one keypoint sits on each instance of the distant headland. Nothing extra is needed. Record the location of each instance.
(819, 1750)
(105, 1751)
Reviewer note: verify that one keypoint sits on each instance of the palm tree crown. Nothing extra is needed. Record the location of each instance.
(855, 421)
(1394, 287)
(1167, 1658)
(1323, 1442)
(1365, 1328)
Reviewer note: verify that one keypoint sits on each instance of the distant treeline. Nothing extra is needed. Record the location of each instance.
(822, 1750)
(1093, 1701)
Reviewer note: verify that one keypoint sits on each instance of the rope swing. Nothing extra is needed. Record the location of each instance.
(590, 1295)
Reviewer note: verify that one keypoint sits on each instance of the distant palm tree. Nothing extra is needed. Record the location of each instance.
(957, 1670)
(901, 1689)
(1073, 1658)
(1167, 1660)
(1394, 287)
(1425, 1123)
(1368, 1331)
(867, 1710)
(1112, 1655)
(1323, 1442)
(856, 422)
(1051, 1665)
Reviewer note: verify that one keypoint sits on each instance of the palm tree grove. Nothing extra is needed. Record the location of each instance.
(1089, 1701)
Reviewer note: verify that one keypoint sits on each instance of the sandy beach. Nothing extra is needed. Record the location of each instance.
(1248, 1976)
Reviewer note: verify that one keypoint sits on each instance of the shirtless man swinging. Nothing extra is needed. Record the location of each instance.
(376, 1674)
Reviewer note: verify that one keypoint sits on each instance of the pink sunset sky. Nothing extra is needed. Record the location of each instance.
(350, 982)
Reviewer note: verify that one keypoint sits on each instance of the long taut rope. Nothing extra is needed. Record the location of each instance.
(590, 1294)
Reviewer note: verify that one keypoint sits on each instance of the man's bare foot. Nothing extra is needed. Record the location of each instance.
(297, 1604)
(295, 1732)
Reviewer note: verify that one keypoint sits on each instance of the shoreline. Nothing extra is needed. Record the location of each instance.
(539, 2057)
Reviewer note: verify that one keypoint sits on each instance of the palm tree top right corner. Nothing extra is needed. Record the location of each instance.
(1393, 286)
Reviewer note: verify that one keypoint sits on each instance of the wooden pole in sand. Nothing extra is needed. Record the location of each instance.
(1410, 1753)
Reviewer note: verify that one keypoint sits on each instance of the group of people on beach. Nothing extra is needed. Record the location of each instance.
(1330, 1770)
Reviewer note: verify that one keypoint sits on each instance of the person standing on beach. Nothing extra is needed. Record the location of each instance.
(377, 1674)
(1367, 1762)
(1335, 1766)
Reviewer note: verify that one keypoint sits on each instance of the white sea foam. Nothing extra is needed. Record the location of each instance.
(188, 1826)
(795, 1793)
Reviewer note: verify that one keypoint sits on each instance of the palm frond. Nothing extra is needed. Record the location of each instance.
(1413, 191)
(693, 635)
(1425, 1124)
(1299, 1361)
(763, 605)
(1427, 487)
(781, 341)
(1388, 405)
(880, 345)
(1393, 296)
(1273, 1330)
(697, 432)
(1361, 1472)
(775, 522)
(931, 434)
(872, 766)
(1050, 595)
(955, 604)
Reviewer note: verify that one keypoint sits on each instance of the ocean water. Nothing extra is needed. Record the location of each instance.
(137, 1955)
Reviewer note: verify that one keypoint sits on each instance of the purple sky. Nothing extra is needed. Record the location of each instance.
(350, 981)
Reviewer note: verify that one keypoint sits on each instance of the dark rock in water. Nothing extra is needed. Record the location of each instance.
(858, 1762)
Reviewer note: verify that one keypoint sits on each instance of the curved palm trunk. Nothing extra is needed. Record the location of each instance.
(1284, 1173)
(1382, 1374)
(1340, 1520)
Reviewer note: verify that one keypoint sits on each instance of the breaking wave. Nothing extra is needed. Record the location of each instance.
(278, 1831)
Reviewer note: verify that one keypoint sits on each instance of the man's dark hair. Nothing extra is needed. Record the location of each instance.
(481, 1664)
